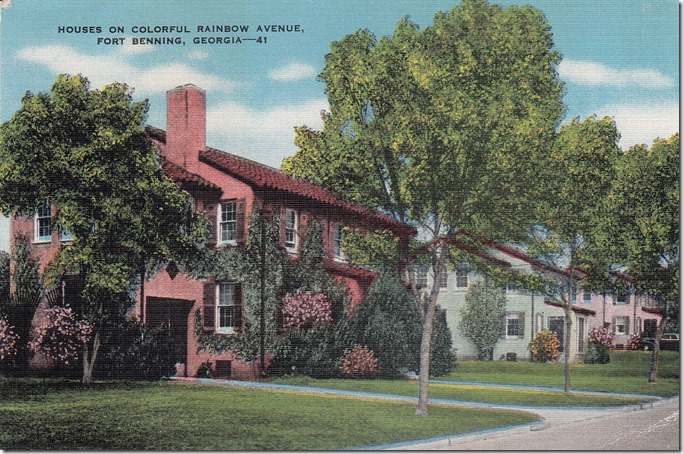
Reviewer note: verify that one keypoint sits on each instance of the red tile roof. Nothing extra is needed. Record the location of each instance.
(622, 276)
(350, 271)
(265, 177)
(179, 174)
(578, 310)
(522, 256)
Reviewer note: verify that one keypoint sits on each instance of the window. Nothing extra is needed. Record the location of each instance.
(510, 287)
(586, 296)
(443, 278)
(514, 325)
(620, 325)
(43, 223)
(66, 235)
(580, 335)
(461, 280)
(575, 290)
(227, 222)
(338, 238)
(291, 225)
(649, 327)
(421, 277)
(229, 307)
(621, 297)
(539, 323)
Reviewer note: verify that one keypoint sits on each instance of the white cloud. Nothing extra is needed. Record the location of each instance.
(643, 123)
(104, 69)
(198, 55)
(266, 136)
(293, 72)
(584, 72)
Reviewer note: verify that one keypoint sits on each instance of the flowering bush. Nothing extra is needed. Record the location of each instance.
(359, 363)
(601, 336)
(60, 335)
(545, 347)
(634, 341)
(304, 309)
(8, 339)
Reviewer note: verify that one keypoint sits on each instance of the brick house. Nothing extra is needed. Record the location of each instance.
(226, 188)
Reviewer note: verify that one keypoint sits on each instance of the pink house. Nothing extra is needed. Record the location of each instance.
(226, 188)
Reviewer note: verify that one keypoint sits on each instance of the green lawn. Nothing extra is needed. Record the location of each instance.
(626, 373)
(47, 415)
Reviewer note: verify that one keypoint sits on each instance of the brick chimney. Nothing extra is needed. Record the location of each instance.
(185, 125)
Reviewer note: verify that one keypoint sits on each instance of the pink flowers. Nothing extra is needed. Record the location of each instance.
(601, 336)
(60, 335)
(8, 339)
(305, 309)
(359, 363)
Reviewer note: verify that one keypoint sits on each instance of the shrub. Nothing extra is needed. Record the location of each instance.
(304, 309)
(133, 351)
(600, 340)
(634, 341)
(359, 363)
(388, 323)
(8, 339)
(601, 336)
(314, 351)
(482, 316)
(442, 358)
(60, 335)
(545, 347)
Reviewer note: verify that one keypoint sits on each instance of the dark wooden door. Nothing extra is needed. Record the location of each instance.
(172, 314)
(556, 325)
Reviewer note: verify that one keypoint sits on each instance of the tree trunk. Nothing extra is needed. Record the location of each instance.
(652, 375)
(89, 358)
(427, 328)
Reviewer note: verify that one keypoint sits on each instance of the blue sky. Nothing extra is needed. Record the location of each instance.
(621, 59)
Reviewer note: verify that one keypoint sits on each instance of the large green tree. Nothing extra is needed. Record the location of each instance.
(642, 224)
(85, 152)
(440, 127)
(576, 179)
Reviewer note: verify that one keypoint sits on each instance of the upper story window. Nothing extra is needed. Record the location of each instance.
(510, 287)
(291, 227)
(43, 223)
(338, 238)
(461, 278)
(587, 296)
(621, 297)
(227, 222)
(66, 235)
(229, 307)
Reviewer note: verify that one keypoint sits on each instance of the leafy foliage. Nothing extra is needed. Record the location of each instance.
(545, 347)
(388, 323)
(601, 336)
(305, 309)
(441, 353)
(482, 316)
(359, 363)
(60, 335)
(133, 351)
(8, 339)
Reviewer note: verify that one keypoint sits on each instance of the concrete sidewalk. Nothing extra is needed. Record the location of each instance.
(551, 417)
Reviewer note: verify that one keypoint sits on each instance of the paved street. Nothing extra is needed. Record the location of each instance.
(652, 428)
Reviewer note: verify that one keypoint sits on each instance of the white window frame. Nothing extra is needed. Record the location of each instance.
(338, 238)
(509, 316)
(462, 273)
(291, 230)
(625, 321)
(43, 220)
(511, 288)
(227, 304)
(443, 278)
(66, 236)
(227, 216)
